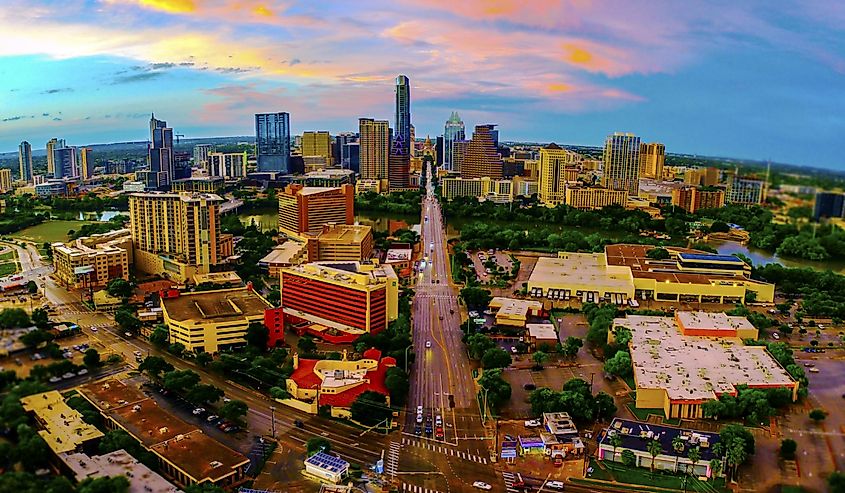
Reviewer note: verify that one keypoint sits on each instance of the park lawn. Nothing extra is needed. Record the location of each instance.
(643, 414)
(49, 231)
(660, 479)
(10, 255)
(8, 268)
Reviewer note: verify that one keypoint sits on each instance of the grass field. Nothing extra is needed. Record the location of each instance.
(642, 478)
(8, 269)
(49, 231)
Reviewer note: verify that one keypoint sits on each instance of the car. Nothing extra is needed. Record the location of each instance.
(55, 379)
(451, 311)
(138, 353)
(83, 371)
(69, 374)
(441, 317)
(298, 423)
(428, 429)
(139, 359)
(438, 433)
(127, 334)
(532, 423)
(775, 336)
(481, 485)
(419, 418)
(529, 386)
(509, 438)
(555, 485)
(813, 370)
(419, 409)
(94, 329)
(428, 344)
(821, 326)
(226, 399)
(198, 411)
(417, 429)
(438, 420)
(808, 365)
(212, 418)
(514, 350)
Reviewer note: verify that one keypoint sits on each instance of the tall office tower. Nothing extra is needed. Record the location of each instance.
(5, 180)
(458, 154)
(51, 145)
(25, 160)
(744, 191)
(412, 145)
(652, 157)
(402, 121)
(229, 166)
(341, 140)
(482, 159)
(398, 166)
(64, 162)
(305, 210)
(175, 233)
(272, 141)
(622, 163)
(317, 144)
(828, 204)
(374, 147)
(454, 131)
(201, 152)
(557, 167)
(438, 149)
(350, 157)
(162, 169)
(86, 163)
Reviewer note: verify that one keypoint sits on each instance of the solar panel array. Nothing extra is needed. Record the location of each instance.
(327, 462)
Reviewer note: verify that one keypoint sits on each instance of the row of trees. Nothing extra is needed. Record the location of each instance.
(577, 399)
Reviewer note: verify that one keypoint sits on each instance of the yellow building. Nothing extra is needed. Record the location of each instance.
(227, 165)
(595, 197)
(342, 242)
(5, 180)
(652, 158)
(376, 186)
(61, 426)
(303, 211)
(514, 312)
(318, 144)
(176, 235)
(621, 163)
(374, 148)
(499, 191)
(557, 167)
(52, 144)
(86, 163)
(213, 321)
(198, 184)
(92, 261)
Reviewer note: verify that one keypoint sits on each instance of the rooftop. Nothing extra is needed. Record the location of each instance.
(541, 331)
(584, 269)
(636, 436)
(283, 254)
(327, 462)
(141, 478)
(692, 368)
(398, 254)
(350, 273)
(183, 196)
(222, 305)
(218, 277)
(513, 307)
(345, 232)
(559, 424)
(63, 427)
(713, 321)
(200, 456)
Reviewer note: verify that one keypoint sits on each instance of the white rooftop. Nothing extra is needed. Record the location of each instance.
(707, 320)
(118, 463)
(581, 269)
(542, 331)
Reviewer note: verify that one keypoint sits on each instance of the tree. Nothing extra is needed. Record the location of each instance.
(234, 411)
(604, 406)
(91, 358)
(571, 346)
(496, 358)
(13, 318)
(396, 382)
(836, 482)
(620, 364)
(155, 366)
(204, 394)
(32, 287)
(127, 320)
(476, 298)
(539, 357)
(36, 338)
(497, 388)
(177, 349)
(317, 444)
(658, 254)
(257, 336)
(732, 431)
(274, 297)
(120, 288)
(160, 336)
(615, 442)
(40, 318)
(204, 358)
(629, 458)
(279, 393)
(306, 345)
(478, 345)
(206, 487)
(115, 484)
(370, 408)
(788, 447)
(678, 445)
(736, 454)
(654, 450)
(715, 467)
(694, 455)
(180, 381)
(719, 227)
(818, 415)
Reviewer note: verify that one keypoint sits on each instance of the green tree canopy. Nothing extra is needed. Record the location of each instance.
(370, 408)
(495, 358)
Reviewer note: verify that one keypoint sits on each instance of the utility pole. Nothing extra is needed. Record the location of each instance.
(273, 421)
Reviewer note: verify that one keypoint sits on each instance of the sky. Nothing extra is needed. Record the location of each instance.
(750, 79)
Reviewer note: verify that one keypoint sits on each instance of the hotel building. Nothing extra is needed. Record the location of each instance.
(93, 261)
(305, 210)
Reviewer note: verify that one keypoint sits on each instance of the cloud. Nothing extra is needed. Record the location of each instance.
(140, 77)
(57, 119)
(58, 90)
(45, 114)
(13, 118)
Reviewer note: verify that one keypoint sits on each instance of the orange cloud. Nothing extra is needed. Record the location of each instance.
(171, 6)
(262, 11)
(559, 87)
(577, 55)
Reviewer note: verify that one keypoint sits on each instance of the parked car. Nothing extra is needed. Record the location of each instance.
(529, 386)
(438, 433)
(813, 370)
(533, 423)
(298, 423)
(81, 372)
(555, 485)
(212, 418)
(55, 379)
(514, 350)
(481, 485)
(69, 374)
(428, 344)
(198, 411)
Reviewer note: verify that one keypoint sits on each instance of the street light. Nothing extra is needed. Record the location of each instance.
(406, 356)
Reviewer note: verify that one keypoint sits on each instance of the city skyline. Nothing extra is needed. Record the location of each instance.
(720, 80)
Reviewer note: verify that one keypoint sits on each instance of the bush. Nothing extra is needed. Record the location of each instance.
(788, 448)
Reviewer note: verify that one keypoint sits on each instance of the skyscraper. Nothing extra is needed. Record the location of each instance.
(317, 144)
(402, 122)
(86, 163)
(350, 156)
(459, 153)
(25, 160)
(557, 166)
(160, 157)
(622, 163)
(201, 152)
(272, 141)
(438, 149)
(64, 162)
(482, 158)
(374, 147)
(652, 157)
(341, 140)
(398, 166)
(454, 131)
(52, 144)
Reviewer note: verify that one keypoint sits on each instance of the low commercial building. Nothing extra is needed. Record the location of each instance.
(92, 261)
(514, 312)
(198, 184)
(211, 321)
(60, 426)
(337, 383)
(325, 467)
(227, 279)
(560, 436)
(339, 301)
(682, 362)
(625, 272)
(141, 478)
(485, 188)
(401, 259)
(539, 334)
(636, 436)
(341, 243)
(363, 186)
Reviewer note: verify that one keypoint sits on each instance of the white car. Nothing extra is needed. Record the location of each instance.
(481, 485)
(138, 353)
(532, 423)
(198, 411)
(419, 409)
(94, 329)
(555, 485)
(428, 344)
(438, 420)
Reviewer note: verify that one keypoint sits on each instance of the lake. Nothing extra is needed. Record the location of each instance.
(100, 216)
(763, 257)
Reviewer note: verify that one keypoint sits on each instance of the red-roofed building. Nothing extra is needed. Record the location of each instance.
(337, 383)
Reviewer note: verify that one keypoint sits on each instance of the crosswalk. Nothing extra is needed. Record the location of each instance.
(417, 489)
(391, 463)
(510, 479)
(451, 451)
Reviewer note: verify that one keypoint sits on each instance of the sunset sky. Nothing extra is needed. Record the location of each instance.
(750, 79)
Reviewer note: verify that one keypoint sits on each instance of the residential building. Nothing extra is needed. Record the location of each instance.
(622, 163)
(582, 197)
(374, 148)
(52, 144)
(339, 141)
(134, 186)
(692, 199)
(625, 272)
(498, 191)
(402, 119)
(198, 184)
(337, 383)
(652, 158)
(272, 141)
(64, 163)
(201, 152)
(25, 161)
(681, 362)
(351, 156)
(318, 144)
(711, 177)
(86, 163)
(557, 167)
(458, 154)
(176, 235)
(453, 132)
(524, 187)
(828, 204)
(482, 157)
(326, 178)
(93, 261)
(229, 166)
(375, 186)
(305, 210)
(339, 301)
(5, 180)
(398, 166)
(745, 190)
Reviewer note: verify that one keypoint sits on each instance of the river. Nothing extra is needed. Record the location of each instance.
(763, 257)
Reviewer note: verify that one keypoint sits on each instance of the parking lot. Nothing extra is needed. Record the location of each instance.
(484, 273)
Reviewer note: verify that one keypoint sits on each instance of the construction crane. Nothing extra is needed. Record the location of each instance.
(177, 137)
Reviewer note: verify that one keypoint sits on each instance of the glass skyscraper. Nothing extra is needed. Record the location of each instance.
(25, 160)
(622, 163)
(402, 123)
(454, 131)
(272, 141)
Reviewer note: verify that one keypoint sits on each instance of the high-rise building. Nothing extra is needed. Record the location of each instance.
(51, 145)
(317, 144)
(350, 156)
(438, 150)
(622, 163)
(162, 168)
(5, 180)
(557, 167)
(304, 211)
(402, 121)
(25, 161)
(341, 140)
(652, 157)
(744, 190)
(176, 234)
(201, 152)
(64, 162)
(453, 132)
(482, 158)
(692, 199)
(828, 204)
(374, 142)
(272, 141)
(710, 177)
(86, 163)
(229, 165)
(458, 154)
(398, 166)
